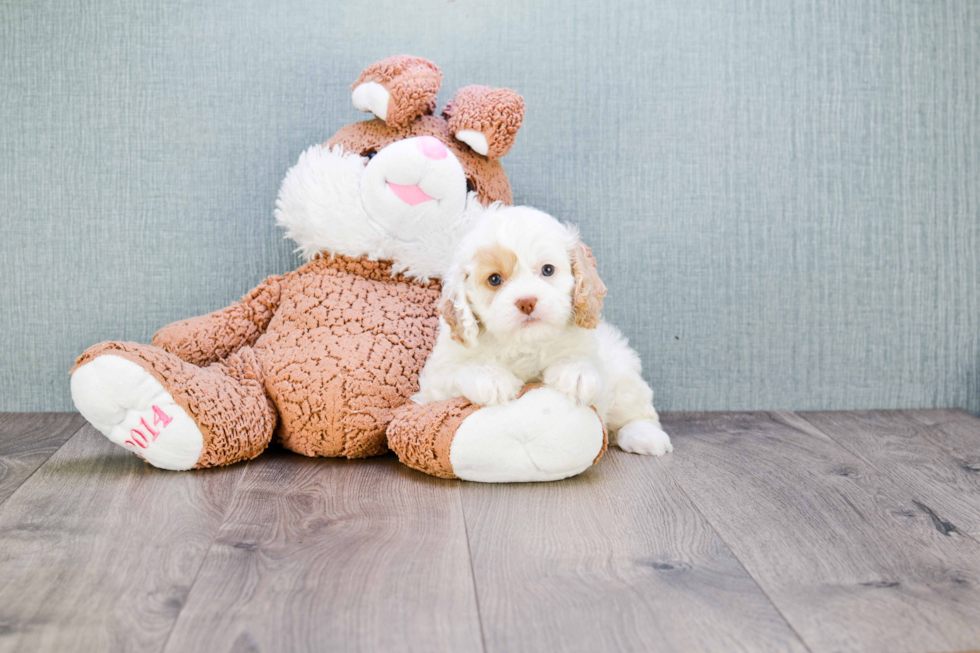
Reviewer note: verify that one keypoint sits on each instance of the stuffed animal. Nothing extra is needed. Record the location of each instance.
(325, 359)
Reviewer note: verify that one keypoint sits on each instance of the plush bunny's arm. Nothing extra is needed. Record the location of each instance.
(208, 338)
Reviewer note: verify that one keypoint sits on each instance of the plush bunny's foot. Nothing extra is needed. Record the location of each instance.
(174, 414)
(541, 436)
(544, 436)
(130, 407)
(644, 436)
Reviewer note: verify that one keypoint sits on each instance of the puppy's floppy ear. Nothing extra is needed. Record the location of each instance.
(455, 309)
(589, 290)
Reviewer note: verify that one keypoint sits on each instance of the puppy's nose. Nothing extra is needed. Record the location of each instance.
(431, 148)
(526, 304)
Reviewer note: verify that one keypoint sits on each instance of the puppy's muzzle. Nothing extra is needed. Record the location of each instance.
(526, 304)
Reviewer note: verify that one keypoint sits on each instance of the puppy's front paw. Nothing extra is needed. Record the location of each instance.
(490, 386)
(644, 436)
(579, 381)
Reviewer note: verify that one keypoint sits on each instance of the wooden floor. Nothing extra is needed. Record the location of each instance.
(762, 531)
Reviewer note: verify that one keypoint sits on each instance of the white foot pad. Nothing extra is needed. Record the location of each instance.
(130, 407)
(543, 436)
(644, 436)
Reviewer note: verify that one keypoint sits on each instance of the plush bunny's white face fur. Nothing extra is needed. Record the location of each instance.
(414, 187)
(408, 203)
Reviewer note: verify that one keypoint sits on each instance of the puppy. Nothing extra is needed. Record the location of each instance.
(520, 305)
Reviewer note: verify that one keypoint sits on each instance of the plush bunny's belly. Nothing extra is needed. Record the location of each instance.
(345, 348)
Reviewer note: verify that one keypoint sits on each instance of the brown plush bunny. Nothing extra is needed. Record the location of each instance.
(325, 358)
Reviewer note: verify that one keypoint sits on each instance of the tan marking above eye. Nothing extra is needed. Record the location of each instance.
(494, 259)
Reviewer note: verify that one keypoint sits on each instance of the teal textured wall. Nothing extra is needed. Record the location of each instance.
(783, 196)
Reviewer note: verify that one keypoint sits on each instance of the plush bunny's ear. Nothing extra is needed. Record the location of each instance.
(589, 290)
(455, 309)
(398, 90)
(486, 119)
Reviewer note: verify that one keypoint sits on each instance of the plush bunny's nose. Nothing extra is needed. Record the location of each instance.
(431, 148)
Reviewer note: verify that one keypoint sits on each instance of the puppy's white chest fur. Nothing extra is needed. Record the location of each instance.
(495, 369)
(528, 361)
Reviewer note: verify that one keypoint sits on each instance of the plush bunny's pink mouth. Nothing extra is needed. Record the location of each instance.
(411, 195)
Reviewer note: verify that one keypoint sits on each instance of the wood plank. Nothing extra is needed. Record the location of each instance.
(27, 440)
(955, 430)
(617, 559)
(908, 452)
(846, 554)
(98, 549)
(330, 555)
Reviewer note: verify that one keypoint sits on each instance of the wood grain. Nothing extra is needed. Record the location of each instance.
(331, 555)
(955, 430)
(849, 556)
(910, 454)
(617, 559)
(27, 440)
(98, 549)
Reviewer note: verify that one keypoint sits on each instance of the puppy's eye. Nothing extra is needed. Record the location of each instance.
(495, 279)
(548, 270)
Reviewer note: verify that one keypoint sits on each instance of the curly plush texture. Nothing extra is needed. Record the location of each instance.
(346, 347)
(208, 338)
(422, 435)
(496, 113)
(226, 399)
(412, 84)
(486, 176)
(343, 348)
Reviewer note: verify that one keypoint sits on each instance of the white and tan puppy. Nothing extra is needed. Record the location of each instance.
(521, 305)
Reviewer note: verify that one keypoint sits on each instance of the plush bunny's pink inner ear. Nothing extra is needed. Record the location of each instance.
(398, 89)
(487, 119)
